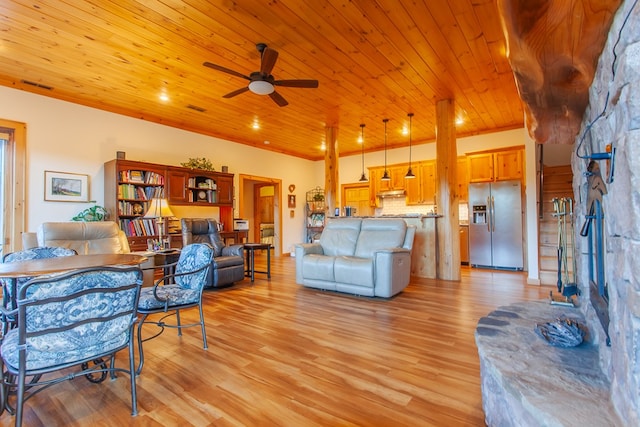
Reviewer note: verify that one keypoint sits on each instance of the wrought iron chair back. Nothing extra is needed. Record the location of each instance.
(177, 291)
(70, 320)
(9, 285)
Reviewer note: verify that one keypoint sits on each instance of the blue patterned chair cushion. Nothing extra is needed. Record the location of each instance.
(37, 359)
(175, 294)
(81, 340)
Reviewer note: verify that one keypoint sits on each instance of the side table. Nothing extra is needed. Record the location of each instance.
(161, 259)
(250, 249)
(165, 259)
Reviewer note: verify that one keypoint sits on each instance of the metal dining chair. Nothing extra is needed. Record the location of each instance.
(176, 291)
(65, 323)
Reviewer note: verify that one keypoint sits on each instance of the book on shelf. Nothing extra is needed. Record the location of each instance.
(136, 176)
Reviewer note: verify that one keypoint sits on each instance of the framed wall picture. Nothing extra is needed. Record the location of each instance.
(66, 187)
(292, 200)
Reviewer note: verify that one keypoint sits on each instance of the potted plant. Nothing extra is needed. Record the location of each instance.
(198, 163)
(318, 201)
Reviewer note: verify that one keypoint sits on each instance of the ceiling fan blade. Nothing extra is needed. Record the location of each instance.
(269, 57)
(278, 99)
(296, 83)
(236, 92)
(225, 70)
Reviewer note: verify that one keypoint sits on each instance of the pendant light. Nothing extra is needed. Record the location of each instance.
(385, 176)
(363, 177)
(410, 174)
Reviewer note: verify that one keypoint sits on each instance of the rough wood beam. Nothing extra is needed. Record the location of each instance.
(447, 197)
(331, 177)
(553, 47)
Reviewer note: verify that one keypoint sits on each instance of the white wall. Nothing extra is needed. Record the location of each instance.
(66, 137)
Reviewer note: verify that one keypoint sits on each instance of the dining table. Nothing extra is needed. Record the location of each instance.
(44, 266)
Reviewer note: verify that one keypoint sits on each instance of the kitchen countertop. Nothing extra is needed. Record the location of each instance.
(418, 216)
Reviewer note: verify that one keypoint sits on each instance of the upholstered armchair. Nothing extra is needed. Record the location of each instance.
(227, 266)
(69, 325)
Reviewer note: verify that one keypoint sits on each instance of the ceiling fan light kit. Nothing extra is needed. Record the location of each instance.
(260, 87)
(262, 82)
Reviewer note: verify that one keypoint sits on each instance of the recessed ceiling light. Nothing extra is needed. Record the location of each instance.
(256, 124)
(164, 97)
(267, 143)
(459, 121)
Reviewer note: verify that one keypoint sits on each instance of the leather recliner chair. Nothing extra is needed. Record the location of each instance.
(227, 266)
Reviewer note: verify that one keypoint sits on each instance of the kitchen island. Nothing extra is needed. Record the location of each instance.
(424, 256)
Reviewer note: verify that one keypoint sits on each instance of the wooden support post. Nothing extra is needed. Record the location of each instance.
(331, 180)
(447, 197)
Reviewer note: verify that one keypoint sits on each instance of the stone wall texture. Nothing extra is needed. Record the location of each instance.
(613, 117)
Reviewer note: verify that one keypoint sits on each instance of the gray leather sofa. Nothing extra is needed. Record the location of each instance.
(227, 265)
(362, 256)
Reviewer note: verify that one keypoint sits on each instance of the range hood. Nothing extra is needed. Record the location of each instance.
(391, 193)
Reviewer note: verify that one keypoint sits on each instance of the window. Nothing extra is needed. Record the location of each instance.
(12, 188)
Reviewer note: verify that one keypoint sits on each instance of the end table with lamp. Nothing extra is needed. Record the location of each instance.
(159, 209)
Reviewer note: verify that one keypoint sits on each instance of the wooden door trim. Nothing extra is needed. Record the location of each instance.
(277, 204)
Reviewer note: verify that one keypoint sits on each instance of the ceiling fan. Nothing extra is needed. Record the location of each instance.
(262, 82)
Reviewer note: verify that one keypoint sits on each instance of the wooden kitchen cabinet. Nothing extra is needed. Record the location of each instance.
(480, 167)
(508, 165)
(413, 188)
(462, 179)
(496, 165)
(397, 177)
(428, 181)
(422, 189)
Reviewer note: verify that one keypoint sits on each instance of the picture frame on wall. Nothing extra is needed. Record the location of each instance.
(292, 201)
(66, 187)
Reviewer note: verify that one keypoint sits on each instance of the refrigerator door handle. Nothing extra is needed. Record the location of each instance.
(488, 219)
(493, 214)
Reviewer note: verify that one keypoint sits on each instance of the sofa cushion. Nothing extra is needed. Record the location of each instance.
(83, 237)
(354, 271)
(380, 233)
(340, 235)
(318, 267)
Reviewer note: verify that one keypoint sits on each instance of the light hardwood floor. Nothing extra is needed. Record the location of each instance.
(283, 355)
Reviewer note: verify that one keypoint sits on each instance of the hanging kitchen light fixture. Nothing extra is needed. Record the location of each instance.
(385, 175)
(410, 172)
(363, 177)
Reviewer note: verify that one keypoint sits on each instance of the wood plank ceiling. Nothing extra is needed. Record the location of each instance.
(373, 59)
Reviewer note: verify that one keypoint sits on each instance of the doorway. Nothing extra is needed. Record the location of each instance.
(12, 185)
(259, 202)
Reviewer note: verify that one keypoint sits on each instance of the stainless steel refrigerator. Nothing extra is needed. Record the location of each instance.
(495, 225)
